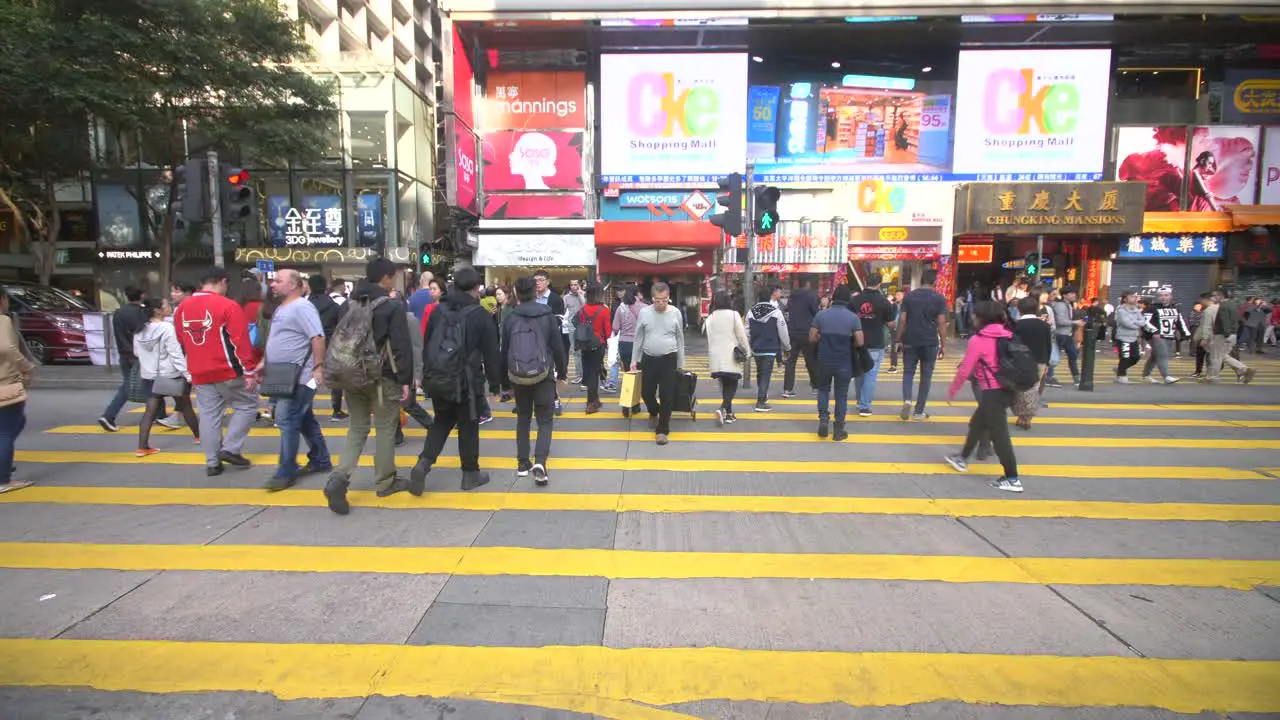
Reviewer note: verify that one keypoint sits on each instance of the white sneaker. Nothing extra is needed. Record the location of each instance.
(720, 416)
(1124, 380)
(173, 422)
(540, 476)
(1153, 381)
(1007, 484)
(1170, 380)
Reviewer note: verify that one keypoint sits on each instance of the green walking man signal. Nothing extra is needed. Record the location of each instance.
(766, 210)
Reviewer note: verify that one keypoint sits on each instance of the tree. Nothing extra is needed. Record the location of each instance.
(223, 70)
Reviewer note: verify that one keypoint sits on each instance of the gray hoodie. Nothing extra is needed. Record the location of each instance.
(1063, 318)
(158, 351)
(1129, 322)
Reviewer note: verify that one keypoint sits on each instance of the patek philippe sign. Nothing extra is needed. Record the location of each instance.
(1089, 208)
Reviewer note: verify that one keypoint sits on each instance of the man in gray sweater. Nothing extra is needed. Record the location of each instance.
(659, 354)
(1064, 333)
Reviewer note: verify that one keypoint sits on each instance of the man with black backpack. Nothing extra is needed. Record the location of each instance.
(531, 352)
(460, 350)
(592, 327)
(370, 359)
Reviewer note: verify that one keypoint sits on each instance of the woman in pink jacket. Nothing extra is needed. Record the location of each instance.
(989, 421)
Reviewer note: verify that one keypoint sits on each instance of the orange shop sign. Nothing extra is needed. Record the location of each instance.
(975, 254)
(535, 101)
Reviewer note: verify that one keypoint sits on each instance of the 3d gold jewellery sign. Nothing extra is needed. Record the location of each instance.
(299, 256)
(1087, 208)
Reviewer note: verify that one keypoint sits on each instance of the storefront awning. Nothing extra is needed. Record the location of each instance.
(641, 234)
(1186, 222)
(1243, 216)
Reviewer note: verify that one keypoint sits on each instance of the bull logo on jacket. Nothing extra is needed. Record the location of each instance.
(198, 329)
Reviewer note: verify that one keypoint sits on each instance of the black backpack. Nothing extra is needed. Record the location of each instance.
(528, 359)
(584, 331)
(446, 371)
(1018, 371)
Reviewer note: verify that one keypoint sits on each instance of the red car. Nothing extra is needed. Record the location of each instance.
(51, 321)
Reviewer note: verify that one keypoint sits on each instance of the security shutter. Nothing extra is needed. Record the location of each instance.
(1188, 279)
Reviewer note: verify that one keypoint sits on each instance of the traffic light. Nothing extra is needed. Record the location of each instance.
(237, 196)
(424, 254)
(189, 195)
(729, 197)
(1032, 266)
(766, 210)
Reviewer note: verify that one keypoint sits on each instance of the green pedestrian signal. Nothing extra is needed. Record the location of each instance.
(766, 210)
(766, 222)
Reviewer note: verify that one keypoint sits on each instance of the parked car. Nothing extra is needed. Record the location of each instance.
(51, 321)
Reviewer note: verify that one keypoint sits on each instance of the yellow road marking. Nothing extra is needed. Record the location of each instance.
(795, 437)
(654, 677)
(491, 502)
(803, 467)
(651, 676)
(640, 564)
(708, 405)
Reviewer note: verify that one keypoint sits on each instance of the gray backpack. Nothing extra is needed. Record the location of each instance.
(352, 361)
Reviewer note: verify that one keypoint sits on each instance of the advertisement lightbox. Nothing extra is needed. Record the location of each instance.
(839, 134)
(1270, 174)
(1032, 114)
(516, 160)
(672, 116)
(535, 101)
(1156, 156)
(1224, 167)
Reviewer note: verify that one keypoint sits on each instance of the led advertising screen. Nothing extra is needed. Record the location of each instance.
(681, 118)
(832, 134)
(517, 160)
(1032, 114)
(1156, 156)
(1224, 167)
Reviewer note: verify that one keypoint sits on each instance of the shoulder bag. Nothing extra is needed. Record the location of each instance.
(280, 380)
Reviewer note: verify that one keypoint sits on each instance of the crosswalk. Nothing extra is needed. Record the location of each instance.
(744, 571)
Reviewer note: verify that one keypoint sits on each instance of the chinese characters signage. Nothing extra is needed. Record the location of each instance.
(1172, 247)
(975, 254)
(1252, 96)
(1050, 208)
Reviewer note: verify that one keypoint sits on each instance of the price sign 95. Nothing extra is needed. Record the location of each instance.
(934, 119)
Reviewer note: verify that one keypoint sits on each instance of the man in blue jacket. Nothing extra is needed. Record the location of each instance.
(801, 310)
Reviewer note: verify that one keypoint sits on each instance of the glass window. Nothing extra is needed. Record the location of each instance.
(368, 138)
(318, 191)
(119, 218)
(406, 157)
(410, 231)
(271, 189)
(424, 120)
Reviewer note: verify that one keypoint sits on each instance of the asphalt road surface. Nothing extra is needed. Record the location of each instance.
(752, 571)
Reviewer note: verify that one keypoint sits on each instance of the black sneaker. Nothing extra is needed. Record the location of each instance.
(213, 470)
(864, 412)
(335, 492)
(540, 476)
(788, 393)
(418, 477)
(108, 425)
(824, 428)
(472, 480)
(235, 459)
(523, 467)
(485, 420)
(397, 484)
(840, 434)
(1007, 484)
(338, 416)
(279, 482)
(763, 406)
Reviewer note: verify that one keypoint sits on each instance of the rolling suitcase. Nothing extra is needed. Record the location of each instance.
(686, 395)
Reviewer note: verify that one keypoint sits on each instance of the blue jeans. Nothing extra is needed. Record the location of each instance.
(841, 377)
(122, 393)
(866, 387)
(13, 418)
(1066, 345)
(296, 420)
(927, 357)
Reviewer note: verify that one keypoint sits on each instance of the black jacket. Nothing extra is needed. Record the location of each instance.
(125, 323)
(802, 308)
(1037, 335)
(551, 325)
(482, 337)
(555, 301)
(389, 327)
(329, 310)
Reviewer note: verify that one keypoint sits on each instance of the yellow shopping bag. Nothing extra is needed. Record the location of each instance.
(630, 396)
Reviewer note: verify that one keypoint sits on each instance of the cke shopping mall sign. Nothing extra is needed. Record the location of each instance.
(1087, 208)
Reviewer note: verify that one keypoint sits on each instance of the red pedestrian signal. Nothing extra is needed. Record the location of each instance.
(239, 178)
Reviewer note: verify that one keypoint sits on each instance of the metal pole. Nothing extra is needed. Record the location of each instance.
(1039, 259)
(215, 208)
(1088, 357)
(748, 274)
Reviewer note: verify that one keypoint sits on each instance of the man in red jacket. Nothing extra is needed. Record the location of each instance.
(215, 337)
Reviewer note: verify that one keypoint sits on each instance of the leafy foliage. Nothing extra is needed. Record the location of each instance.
(223, 70)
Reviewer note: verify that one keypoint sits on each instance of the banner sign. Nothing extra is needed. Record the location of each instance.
(672, 115)
(790, 249)
(526, 207)
(1270, 172)
(1156, 156)
(536, 250)
(762, 121)
(521, 160)
(1251, 97)
(461, 169)
(369, 219)
(535, 101)
(1032, 111)
(975, 254)
(1173, 247)
(1093, 208)
(318, 223)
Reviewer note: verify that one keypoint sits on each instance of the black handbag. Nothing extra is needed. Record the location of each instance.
(280, 380)
(739, 355)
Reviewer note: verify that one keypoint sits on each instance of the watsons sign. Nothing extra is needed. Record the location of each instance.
(672, 114)
(1032, 111)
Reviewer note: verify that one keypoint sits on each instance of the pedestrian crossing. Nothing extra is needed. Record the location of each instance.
(742, 571)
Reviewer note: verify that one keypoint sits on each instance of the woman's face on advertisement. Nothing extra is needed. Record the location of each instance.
(1233, 169)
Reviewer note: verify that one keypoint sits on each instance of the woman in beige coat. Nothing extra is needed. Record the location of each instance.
(15, 377)
(727, 349)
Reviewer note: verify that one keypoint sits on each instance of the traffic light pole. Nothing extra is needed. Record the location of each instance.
(748, 267)
(1039, 258)
(215, 207)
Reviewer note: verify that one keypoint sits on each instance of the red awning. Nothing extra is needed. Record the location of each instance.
(642, 234)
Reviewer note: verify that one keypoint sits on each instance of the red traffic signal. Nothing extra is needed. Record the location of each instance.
(239, 177)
